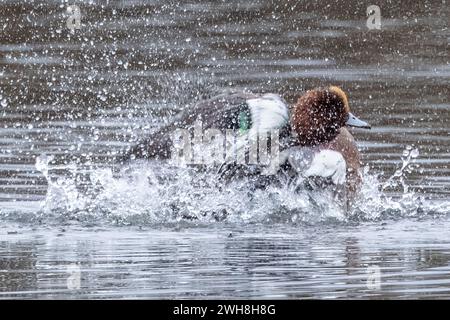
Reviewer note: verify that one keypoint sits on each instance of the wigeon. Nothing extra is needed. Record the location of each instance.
(314, 142)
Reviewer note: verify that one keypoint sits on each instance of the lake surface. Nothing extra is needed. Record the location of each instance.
(72, 100)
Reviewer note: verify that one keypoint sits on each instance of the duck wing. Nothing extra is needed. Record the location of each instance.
(238, 111)
(220, 112)
(269, 115)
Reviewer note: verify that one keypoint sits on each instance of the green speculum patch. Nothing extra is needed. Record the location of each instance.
(244, 122)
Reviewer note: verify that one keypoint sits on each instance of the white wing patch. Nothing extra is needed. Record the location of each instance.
(328, 164)
(268, 112)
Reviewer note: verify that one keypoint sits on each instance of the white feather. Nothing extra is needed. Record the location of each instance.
(328, 164)
(268, 112)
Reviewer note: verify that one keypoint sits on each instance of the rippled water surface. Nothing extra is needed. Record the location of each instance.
(71, 102)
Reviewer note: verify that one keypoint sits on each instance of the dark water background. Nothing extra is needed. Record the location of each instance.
(87, 95)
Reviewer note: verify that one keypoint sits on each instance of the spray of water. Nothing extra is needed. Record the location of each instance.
(156, 193)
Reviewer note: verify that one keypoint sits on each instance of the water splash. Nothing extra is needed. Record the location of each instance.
(62, 193)
(394, 198)
(409, 156)
(157, 193)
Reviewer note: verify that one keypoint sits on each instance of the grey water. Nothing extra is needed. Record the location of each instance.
(72, 100)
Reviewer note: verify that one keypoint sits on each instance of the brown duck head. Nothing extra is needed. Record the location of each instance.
(320, 113)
